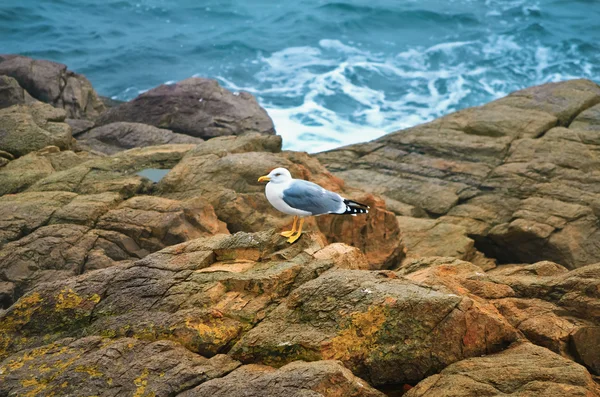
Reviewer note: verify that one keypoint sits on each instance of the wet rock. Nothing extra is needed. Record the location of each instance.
(116, 137)
(196, 107)
(320, 378)
(105, 367)
(52, 83)
(385, 329)
(509, 172)
(27, 128)
(522, 370)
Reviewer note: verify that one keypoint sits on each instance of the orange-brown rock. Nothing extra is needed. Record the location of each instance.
(431, 237)
(83, 233)
(524, 370)
(386, 329)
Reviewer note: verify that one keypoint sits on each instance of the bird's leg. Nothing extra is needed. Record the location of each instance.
(298, 233)
(290, 232)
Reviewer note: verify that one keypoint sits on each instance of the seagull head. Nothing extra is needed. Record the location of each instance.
(278, 175)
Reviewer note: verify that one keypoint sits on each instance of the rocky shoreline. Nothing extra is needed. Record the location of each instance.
(477, 272)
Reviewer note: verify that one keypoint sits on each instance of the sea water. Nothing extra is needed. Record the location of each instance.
(329, 73)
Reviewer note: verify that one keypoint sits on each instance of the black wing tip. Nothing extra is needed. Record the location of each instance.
(356, 204)
(354, 208)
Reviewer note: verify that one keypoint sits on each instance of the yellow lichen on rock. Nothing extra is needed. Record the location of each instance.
(91, 371)
(211, 331)
(358, 338)
(69, 299)
(141, 382)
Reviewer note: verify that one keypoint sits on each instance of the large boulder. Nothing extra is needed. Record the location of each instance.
(27, 128)
(116, 137)
(195, 106)
(53, 83)
(386, 329)
(522, 371)
(517, 173)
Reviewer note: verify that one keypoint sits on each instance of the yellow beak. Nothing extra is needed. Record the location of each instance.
(264, 178)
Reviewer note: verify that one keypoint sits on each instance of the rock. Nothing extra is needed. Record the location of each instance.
(203, 293)
(523, 370)
(297, 379)
(23, 172)
(429, 237)
(510, 172)
(588, 120)
(225, 172)
(195, 106)
(155, 223)
(543, 323)
(105, 367)
(79, 126)
(27, 128)
(116, 137)
(52, 83)
(577, 291)
(461, 277)
(110, 102)
(21, 214)
(11, 93)
(385, 329)
(585, 343)
(117, 173)
(564, 100)
(92, 232)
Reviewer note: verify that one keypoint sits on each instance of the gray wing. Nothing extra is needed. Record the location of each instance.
(308, 196)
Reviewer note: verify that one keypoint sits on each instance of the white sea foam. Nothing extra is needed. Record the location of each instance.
(336, 94)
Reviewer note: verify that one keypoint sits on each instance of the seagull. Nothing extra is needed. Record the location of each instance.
(303, 198)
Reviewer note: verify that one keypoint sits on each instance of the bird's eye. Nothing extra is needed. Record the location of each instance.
(278, 174)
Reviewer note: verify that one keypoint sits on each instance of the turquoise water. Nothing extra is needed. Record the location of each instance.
(329, 73)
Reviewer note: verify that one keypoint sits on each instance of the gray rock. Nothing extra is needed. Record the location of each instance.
(195, 106)
(52, 83)
(119, 136)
